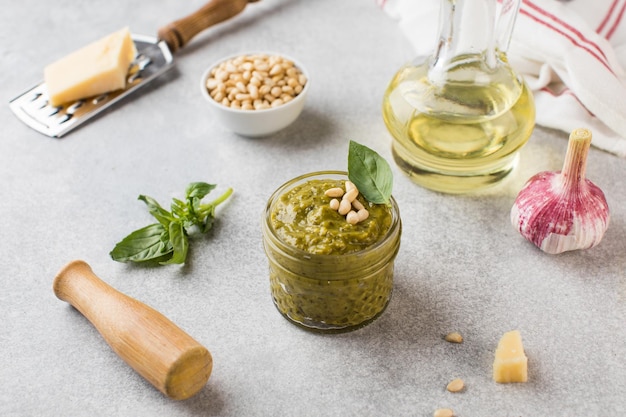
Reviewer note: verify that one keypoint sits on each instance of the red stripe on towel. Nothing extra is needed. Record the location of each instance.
(582, 42)
(607, 17)
(568, 27)
(617, 22)
(566, 92)
(554, 93)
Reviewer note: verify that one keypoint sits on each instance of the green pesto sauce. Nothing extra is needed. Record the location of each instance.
(302, 218)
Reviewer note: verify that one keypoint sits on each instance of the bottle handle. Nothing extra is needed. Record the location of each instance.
(506, 22)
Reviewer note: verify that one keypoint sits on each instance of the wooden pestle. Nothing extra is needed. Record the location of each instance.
(149, 342)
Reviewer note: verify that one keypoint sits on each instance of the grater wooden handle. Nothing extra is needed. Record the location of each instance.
(178, 33)
(150, 343)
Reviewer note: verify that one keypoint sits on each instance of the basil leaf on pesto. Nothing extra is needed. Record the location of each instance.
(370, 172)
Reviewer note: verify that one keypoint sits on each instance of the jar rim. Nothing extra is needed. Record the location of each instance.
(300, 253)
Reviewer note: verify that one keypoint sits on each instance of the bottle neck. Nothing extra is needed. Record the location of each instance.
(466, 29)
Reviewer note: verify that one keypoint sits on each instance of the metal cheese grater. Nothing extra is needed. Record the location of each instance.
(32, 107)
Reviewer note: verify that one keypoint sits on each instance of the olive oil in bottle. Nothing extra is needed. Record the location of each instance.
(462, 136)
(459, 117)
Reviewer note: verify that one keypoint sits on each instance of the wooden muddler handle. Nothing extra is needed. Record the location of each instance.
(149, 342)
(178, 33)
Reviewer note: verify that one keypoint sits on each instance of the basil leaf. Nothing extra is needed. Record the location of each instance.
(198, 190)
(179, 208)
(370, 173)
(167, 241)
(195, 192)
(150, 242)
(179, 242)
(163, 216)
(207, 224)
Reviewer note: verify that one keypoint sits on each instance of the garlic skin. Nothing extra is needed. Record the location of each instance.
(562, 211)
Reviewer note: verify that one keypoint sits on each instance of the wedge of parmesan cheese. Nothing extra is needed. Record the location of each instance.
(97, 68)
(510, 363)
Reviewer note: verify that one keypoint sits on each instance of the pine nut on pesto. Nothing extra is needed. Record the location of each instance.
(326, 274)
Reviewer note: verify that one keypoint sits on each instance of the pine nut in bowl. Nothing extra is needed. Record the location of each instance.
(256, 94)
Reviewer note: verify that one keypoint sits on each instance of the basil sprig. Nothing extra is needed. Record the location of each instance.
(168, 240)
(370, 172)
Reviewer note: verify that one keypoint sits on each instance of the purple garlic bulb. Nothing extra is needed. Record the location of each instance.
(563, 211)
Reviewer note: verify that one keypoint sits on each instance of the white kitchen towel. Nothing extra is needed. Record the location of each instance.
(571, 54)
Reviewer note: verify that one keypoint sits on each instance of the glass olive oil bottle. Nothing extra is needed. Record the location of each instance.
(459, 118)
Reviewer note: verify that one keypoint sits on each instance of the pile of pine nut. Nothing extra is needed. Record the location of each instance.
(348, 206)
(255, 82)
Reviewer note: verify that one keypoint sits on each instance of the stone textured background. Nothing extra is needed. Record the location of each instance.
(461, 266)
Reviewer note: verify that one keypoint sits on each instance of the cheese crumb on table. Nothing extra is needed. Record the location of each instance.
(97, 68)
(510, 363)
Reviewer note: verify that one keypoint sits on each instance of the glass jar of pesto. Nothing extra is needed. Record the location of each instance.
(326, 274)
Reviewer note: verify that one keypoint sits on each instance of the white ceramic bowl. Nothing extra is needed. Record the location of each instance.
(261, 122)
